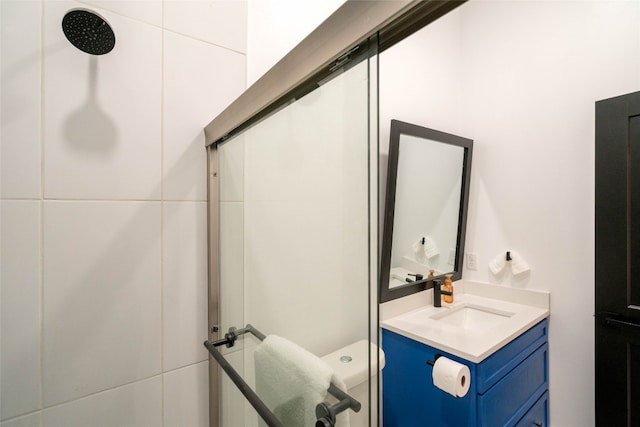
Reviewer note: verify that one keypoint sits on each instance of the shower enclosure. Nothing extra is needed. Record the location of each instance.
(296, 254)
(293, 205)
(294, 225)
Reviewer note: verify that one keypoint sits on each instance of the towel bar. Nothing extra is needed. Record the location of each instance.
(252, 397)
(325, 413)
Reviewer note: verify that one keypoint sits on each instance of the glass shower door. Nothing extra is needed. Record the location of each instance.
(297, 224)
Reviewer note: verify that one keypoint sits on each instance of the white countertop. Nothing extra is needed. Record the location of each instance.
(509, 313)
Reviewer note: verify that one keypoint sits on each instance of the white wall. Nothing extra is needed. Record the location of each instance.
(277, 26)
(534, 72)
(103, 212)
(526, 79)
(521, 79)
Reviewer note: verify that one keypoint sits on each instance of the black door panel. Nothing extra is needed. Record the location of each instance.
(617, 275)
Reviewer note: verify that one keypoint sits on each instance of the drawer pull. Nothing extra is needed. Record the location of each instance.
(537, 424)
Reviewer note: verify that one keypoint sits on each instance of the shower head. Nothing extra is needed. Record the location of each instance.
(88, 31)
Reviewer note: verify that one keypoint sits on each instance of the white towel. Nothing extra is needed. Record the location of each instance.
(417, 246)
(430, 248)
(291, 381)
(497, 264)
(518, 264)
(426, 245)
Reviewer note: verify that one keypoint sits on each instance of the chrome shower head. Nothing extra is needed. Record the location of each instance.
(88, 31)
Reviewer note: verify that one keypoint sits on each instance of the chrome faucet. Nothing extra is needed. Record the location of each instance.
(429, 283)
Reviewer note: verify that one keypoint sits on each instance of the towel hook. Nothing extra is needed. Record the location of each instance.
(509, 256)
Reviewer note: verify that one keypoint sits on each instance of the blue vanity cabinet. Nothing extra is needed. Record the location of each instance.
(508, 388)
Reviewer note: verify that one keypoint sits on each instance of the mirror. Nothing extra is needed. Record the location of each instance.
(426, 208)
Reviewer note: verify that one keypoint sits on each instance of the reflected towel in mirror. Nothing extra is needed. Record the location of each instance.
(427, 245)
(292, 381)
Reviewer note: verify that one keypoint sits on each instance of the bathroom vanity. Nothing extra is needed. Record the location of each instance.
(499, 333)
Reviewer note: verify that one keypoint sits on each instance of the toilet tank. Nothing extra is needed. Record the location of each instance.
(351, 364)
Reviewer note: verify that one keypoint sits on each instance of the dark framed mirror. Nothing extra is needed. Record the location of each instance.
(425, 215)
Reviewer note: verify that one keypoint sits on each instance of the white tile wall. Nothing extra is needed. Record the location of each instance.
(285, 257)
(292, 223)
(280, 25)
(220, 22)
(20, 65)
(185, 283)
(138, 404)
(20, 387)
(102, 317)
(214, 82)
(91, 143)
(186, 396)
(102, 113)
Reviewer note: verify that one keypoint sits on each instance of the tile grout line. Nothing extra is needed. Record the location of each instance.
(58, 199)
(162, 27)
(96, 393)
(42, 223)
(116, 387)
(18, 417)
(162, 204)
(210, 43)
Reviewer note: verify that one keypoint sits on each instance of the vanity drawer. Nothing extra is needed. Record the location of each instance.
(499, 364)
(504, 403)
(538, 415)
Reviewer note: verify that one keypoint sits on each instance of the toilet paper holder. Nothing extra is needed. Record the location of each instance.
(433, 362)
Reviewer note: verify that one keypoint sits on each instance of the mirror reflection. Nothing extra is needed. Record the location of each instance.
(425, 213)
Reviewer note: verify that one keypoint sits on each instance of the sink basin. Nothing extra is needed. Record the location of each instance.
(473, 317)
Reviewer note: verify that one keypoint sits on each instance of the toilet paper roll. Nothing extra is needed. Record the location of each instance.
(451, 376)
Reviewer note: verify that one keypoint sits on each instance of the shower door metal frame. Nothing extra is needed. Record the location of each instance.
(320, 53)
(213, 295)
(319, 56)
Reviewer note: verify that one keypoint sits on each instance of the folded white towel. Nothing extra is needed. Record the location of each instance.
(417, 246)
(518, 264)
(497, 264)
(430, 248)
(426, 245)
(291, 381)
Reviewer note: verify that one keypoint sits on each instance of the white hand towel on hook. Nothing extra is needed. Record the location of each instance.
(518, 264)
(430, 248)
(417, 246)
(498, 264)
(426, 245)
